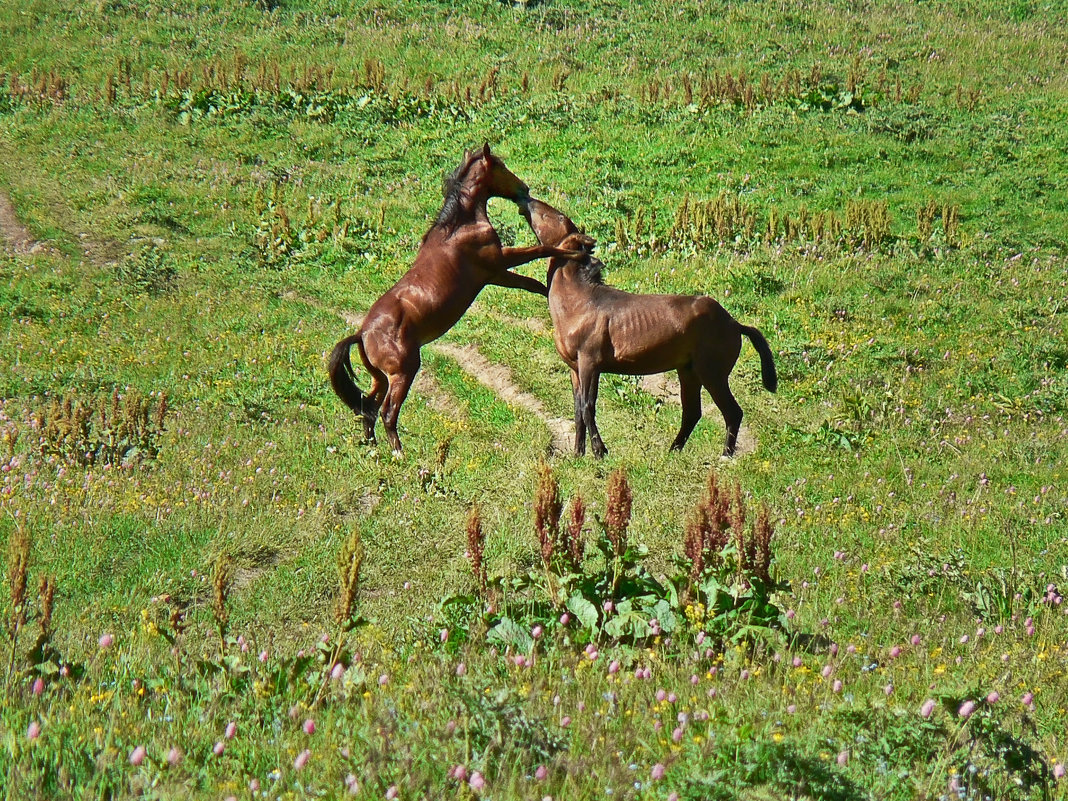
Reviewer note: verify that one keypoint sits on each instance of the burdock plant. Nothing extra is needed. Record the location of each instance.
(220, 591)
(476, 545)
(18, 568)
(349, 560)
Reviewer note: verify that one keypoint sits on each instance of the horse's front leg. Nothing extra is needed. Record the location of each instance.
(513, 257)
(580, 420)
(517, 281)
(589, 378)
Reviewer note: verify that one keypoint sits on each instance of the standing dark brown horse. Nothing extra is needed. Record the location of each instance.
(460, 254)
(600, 329)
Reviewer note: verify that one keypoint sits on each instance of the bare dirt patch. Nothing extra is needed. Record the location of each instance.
(15, 236)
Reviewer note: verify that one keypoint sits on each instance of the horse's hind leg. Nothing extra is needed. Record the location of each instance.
(399, 384)
(372, 403)
(580, 419)
(691, 406)
(732, 412)
(588, 381)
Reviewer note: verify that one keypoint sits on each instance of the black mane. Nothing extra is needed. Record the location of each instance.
(451, 188)
(592, 271)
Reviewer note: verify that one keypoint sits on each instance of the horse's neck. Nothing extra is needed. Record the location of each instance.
(568, 289)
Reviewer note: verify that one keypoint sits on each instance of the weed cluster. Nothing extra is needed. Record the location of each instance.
(149, 269)
(724, 584)
(101, 429)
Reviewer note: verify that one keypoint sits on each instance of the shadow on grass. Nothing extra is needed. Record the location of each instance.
(769, 770)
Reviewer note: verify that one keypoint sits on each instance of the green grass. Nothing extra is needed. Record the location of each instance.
(919, 430)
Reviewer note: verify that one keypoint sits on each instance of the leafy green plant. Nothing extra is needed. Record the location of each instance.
(724, 585)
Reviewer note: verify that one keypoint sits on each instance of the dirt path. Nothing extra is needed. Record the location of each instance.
(498, 378)
(15, 236)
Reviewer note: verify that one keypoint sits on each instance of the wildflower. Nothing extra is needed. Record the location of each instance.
(476, 782)
(459, 773)
(38, 686)
(915, 639)
(309, 726)
(542, 773)
(790, 614)
(791, 709)
(827, 671)
(337, 672)
(565, 618)
(676, 735)
(263, 656)
(351, 784)
(536, 632)
(657, 772)
(461, 669)
(837, 687)
(966, 708)
(888, 689)
(895, 652)
(231, 730)
(33, 731)
(218, 748)
(661, 695)
(302, 759)
(174, 756)
(1028, 699)
(613, 667)
(993, 697)
(608, 606)
(254, 785)
(1058, 771)
(383, 680)
(843, 758)
(927, 708)
(565, 721)
(105, 641)
(137, 756)
(391, 793)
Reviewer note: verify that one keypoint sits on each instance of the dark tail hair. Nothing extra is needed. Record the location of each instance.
(342, 377)
(767, 361)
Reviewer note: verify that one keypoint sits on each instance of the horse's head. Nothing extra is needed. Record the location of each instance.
(487, 174)
(549, 225)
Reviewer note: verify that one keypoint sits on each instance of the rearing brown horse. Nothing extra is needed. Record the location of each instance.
(600, 329)
(460, 254)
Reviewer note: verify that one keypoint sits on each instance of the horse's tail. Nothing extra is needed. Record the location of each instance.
(342, 377)
(767, 361)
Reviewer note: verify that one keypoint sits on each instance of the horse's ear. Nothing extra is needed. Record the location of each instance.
(486, 151)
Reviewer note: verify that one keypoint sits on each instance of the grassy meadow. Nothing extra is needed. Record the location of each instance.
(215, 589)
